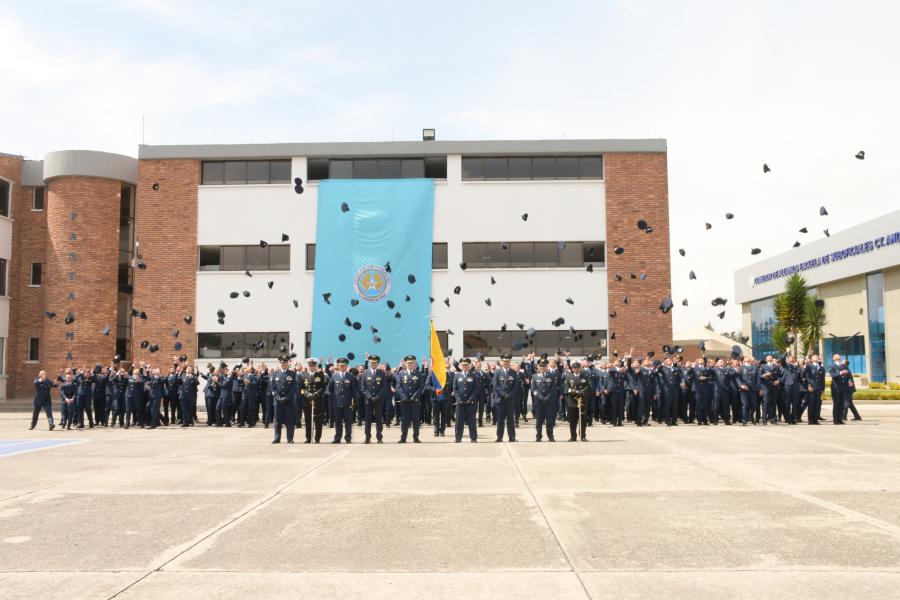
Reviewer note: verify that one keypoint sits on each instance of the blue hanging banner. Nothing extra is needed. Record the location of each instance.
(373, 261)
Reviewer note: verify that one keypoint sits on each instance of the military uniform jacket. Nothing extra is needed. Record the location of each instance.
(374, 386)
(155, 387)
(342, 389)
(465, 387)
(67, 391)
(314, 384)
(838, 380)
(42, 389)
(544, 387)
(747, 377)
(769, 374)
(599, 381)
(814, 374)
(135, 387)
(189, 385)
(505, 381)
(669, 380)
(100, 380)
(790, 374)
(577, 386)
(84, 382)
(616, 380)
(284, 386)
(250, 382)
(173, 386)
(410, 385)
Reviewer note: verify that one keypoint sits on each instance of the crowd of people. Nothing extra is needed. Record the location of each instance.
(502, 394)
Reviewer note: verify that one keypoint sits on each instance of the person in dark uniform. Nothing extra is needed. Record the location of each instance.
(375, 392)
(188, 396)
(170, 398)
(284, 400)
(840, 389)
(545, 395)
(578, 388)
(85, 381)
(485, 384)
(814, 374)
(262, 397)
(155, 388)
(465, 394)
(314, 383)
(247, 414)
(617, 386)
(790, 384)
(410, 385)
(747, 383)
(504, 398)
(68, 389)
(440, 400)
(211, 394)
(770, 378)
(42, 400)
(98, 397)
(135, 398)
(343, 392)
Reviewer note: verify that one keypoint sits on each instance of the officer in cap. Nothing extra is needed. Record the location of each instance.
(342, 390)
(578, 388)
(504, 398)
(314, 382)
(545, 395)
(375, 391)
(284, 392)
(465, 393)
(410, 386)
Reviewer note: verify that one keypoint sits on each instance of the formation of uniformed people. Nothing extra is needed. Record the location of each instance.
(629, 389)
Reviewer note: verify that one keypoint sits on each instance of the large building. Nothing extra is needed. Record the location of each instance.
(103, 240)
(857, 273)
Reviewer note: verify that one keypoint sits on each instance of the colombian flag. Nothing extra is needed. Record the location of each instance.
(438, 369)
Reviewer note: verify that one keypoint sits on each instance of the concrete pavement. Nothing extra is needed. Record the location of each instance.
(687, 512)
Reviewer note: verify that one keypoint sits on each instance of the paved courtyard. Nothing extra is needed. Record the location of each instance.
(715, 512)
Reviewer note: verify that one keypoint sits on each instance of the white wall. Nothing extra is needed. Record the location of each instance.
(464, 211)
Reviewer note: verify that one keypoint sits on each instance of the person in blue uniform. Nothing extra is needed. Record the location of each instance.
(98, 395)
(410, 385)
(440, 401)
(747, 382)
(504, 398)
(42, 400)
(790, 389)
(375, 392)
(284, 399)
(465, 397)
(545, 395)
(188, 396)
(814, 376)
(343, 392)
(618, 388)
(840, 389)
(68, 390)
(155, 388)
(250, 381)
(135, 398)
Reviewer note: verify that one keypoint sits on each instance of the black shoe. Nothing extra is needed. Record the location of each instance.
(52, 426)
(537, 439)
(498, 440)
(551, 440)
(30, 428)
(276, 441)
(306, 441)
(401, 441)
(290, 441)
(857, 418)
(415, 441)
(335, 441)
(572, 440)
(368, 441)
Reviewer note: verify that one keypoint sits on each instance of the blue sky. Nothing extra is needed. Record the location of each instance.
(799, 85)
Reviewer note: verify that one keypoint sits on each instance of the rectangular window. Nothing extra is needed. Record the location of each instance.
(258, 171)
(34, 349)
(257, 258)
(279, 171)
(233, 258)
(875, 302)
(432, 167)
(853, 350)
(5, 188)
(439, 255)
(2, 276)
(523, 168)
(546, 255)
(213, 173)
(572, 255)
(317, 168)
(238, 172)
(280, 258)
(365, 169)
(413, 169)
(341, 169)
(2, 353)
(521, 254)
(37, 199)
(310, 257)
(551, 341)
(762, 320)
(35, 277)
(242, 258)
(209, 258)
(236, 345)
(389, 168)
(235, 172)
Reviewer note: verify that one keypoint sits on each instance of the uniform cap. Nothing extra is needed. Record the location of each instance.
(283, 358)
(312, 361)
(409, 357)
(569, 300)
(341, 361)
(506, 357)
(493, 281)
(327, 297)
(411, 278)
(861, 155)
(463, 265)
(823, 212)
(178, 346)
(188, 319)
(374, 358)
(457, 290)
(618, 250)
(220, 313)
(729, 216)
(106, 330)
(487, 301)
(144, 344)
(70, 318)
(576, 365)
(271, 284)
(233, 295)
(285, 237)
(766, 168)
(819, 303)
(391, 304)
(465, 361)
(263, 243)
(345, 207)
(154, 348)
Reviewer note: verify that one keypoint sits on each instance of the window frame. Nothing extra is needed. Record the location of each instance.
(31, 282)
(34, 193)
(244, 342)
(492, 260)
(244, 264)
(221, 164)
(427, 167)
(6, 203)
(551, 339)
(28, 347)
(4, 277)
(478, 165)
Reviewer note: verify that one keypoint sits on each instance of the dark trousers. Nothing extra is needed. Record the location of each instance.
(185, 406)
(577, 417)
(100, 409)
(747, 405)
(134, 410)
(505, 414)
(247, 409)
(792, 404)
(211, 404)
(465, 415)
(639, 407)
(484, 402)
(343, 419)
(67, 413)
(223, 411)
(852, 407)
(439, 409)
(840, 400)
(40, 405)
(169, 408)
(617, 406)
(314, 416)
(545, 415)
(154, 411)
(374, 411)
(285, 414)
(82, 406)
(409, 412)
(670, 406)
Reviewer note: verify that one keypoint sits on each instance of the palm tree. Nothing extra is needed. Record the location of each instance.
(780, 338)
(814, 324)
(790, 307)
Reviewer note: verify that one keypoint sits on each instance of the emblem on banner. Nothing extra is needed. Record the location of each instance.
(372, 283)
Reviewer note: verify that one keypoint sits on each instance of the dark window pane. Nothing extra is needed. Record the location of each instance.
(34, 348)
(209, 258)
(38, 203)
(233, 345)
(2, 284)
(473, 342)
(213, 173)
(436, 167)
(412, 168)
(543, 167)
(317, 168)
(473, 254)
(495, 168)
(521, 254)
(307, 344)
(519, 168)
(341, 169)
(280, 171)
(389, 168)
(258, 171)
(310, 257)
(209, 345)
(495, 255)
(472, 168)
(257, 344)
(236, 171)
(257, 258)
(572, 255)
(546, 254)
(567, 167)
(594, 252)
(233, 258)
(4, 198)
(280, 258)
(590, 167)
(36, 273)
(439, 255)
(365, 169)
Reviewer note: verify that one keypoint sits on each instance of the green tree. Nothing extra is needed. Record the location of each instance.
(813, 325)
(799, 317)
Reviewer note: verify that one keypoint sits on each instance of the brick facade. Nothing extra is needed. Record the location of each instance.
(166, 229)
(637, 188)
(82, 218)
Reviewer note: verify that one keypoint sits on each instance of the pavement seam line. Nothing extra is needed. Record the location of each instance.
(847, 512)
(546, 520)
(230, 521)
